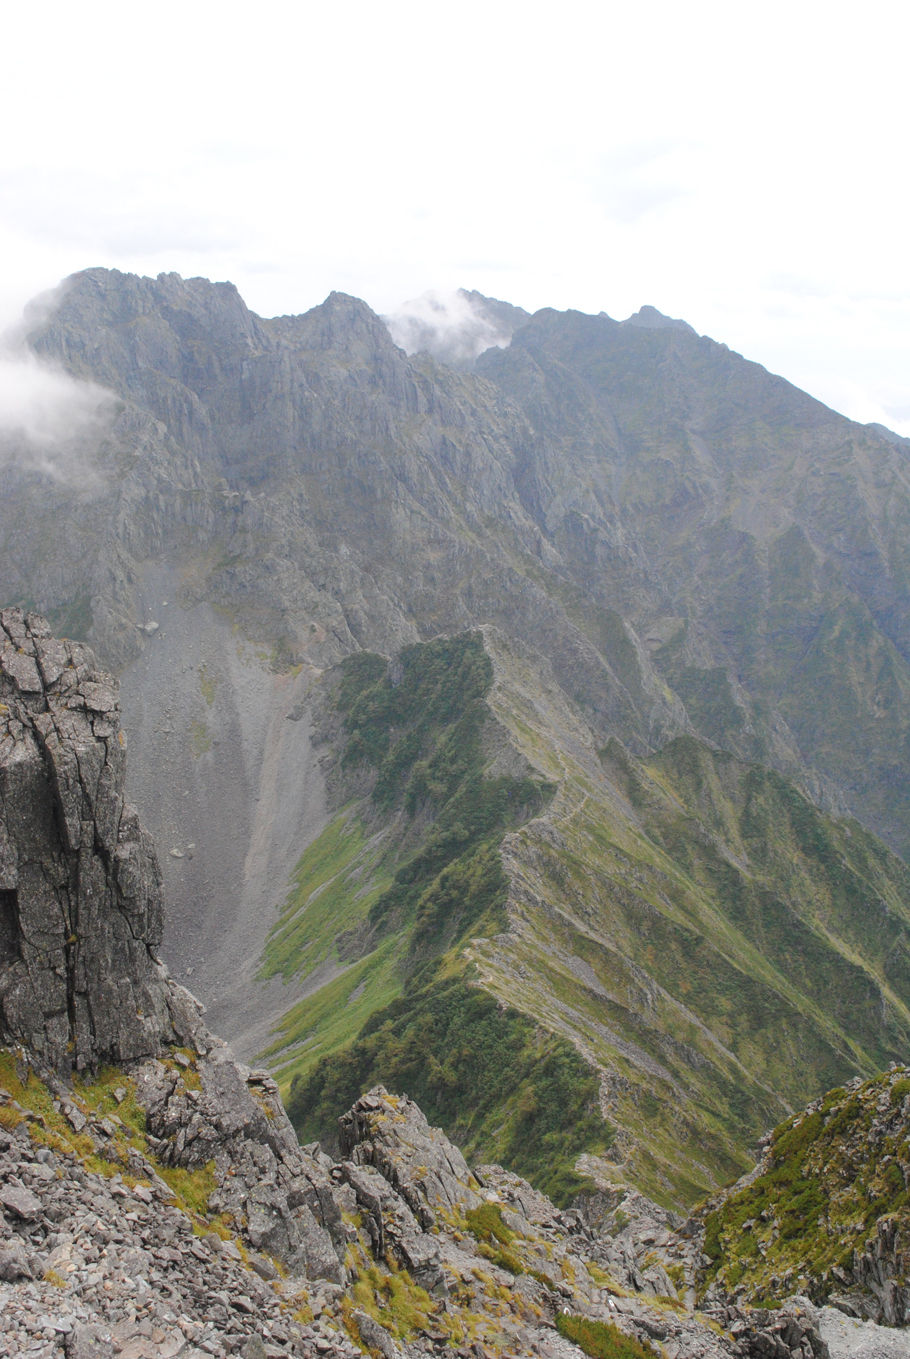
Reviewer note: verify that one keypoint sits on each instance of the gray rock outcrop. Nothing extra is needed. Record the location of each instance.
(233, 1117)
(402, 1175)
(80, 889)
(80, 982)
(95, 1265)
(418, 1161)
(873, 1284)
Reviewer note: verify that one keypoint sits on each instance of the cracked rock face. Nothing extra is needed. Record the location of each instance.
(266, 1181)
(80, 888)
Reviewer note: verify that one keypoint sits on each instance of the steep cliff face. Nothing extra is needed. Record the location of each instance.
(80, 890)
(80, 983)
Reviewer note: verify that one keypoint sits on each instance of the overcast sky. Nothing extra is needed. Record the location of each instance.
(743, 167)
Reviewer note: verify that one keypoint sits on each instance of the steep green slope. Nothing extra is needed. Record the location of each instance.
(827, 1213)
(395, 906)
(714, 947)
(715, 944)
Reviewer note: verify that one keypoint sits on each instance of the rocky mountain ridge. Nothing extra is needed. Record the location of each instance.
(656, 917)
(160, 1205)
(693, 542)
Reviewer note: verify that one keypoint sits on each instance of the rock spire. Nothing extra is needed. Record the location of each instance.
(80, 888)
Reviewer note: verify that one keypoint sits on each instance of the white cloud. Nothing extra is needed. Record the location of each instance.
(451, 325)
(49, 422)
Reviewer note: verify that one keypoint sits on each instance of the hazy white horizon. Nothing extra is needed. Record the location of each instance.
(745, 174)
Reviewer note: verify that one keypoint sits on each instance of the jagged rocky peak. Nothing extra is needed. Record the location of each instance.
(649, 318)
(80, 888)
(124, 297)
(120, 328)
(344, 322)
(190, 330)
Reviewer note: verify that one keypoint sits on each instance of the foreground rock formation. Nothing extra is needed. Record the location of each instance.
(80, 891)
(438, 1260)
(153, 1198)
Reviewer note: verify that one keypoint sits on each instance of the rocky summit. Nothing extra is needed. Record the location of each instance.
(154, 1200)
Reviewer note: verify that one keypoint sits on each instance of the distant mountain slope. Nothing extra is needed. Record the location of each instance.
(332, 493)
(756, 541)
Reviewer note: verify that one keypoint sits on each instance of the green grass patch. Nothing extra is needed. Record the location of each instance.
(899, 1091)
(485, 1222)
(503, 1257)
(826, 1183)
(393, 1299)
(326, 1021)
(336, 883)
(494, 1237)
(192, 1188)
(208, 683)
(601, 1339)
(201, 740)
(97, 1093)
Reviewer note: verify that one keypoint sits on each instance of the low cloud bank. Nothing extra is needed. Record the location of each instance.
(50, 423)
(452, 326)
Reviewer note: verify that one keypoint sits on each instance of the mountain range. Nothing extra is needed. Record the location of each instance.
(525, 729)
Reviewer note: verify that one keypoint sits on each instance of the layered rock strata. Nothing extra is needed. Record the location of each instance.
(80, 890)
